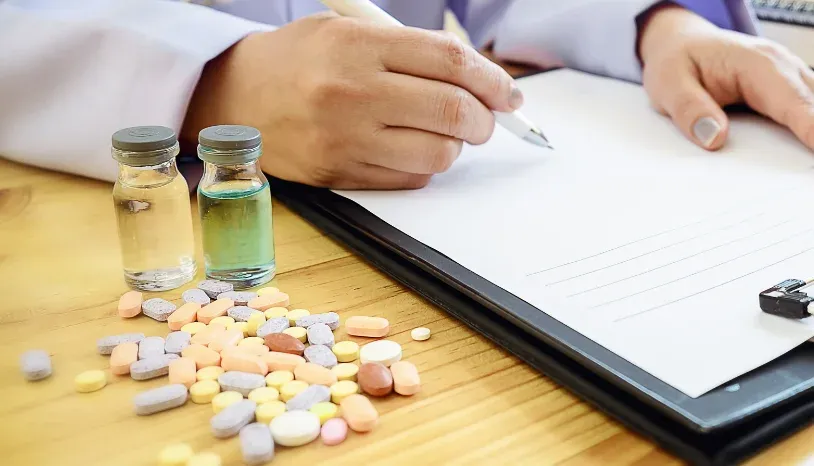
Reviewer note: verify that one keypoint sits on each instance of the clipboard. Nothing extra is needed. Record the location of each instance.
(722, 427)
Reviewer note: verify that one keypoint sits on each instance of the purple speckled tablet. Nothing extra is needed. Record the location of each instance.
(35, 364)
(176, 342)
(195, 295)
(160, 399)
(240, 298)
(331, 319)
(275, 325)
(241, 313)
(320, 354)
(320, 334)
(256, 444)
(151, 368)
(234, 417)
(242, 382)
(105, 345)
(304, 400)
(150, 347)
(213, 288)
(158, 309)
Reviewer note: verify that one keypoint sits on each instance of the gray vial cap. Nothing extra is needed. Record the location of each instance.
(140, 143)
(144, 138)
(229, 144)
(229, 137)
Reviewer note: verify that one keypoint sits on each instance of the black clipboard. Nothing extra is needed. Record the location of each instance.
(722, 427)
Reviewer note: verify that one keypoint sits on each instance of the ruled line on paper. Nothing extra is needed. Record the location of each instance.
(706, 269)
(728, 243)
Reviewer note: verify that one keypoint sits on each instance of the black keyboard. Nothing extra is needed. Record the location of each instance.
(800, 12)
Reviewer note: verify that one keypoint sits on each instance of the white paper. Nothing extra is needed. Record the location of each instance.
(628, 233)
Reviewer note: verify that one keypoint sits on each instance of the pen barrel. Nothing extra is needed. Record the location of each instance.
(514, 122)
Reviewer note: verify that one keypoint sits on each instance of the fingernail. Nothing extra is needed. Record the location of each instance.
(515, 98)
(706, 130)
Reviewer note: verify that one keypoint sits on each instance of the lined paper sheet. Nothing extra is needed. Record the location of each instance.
(628, 233)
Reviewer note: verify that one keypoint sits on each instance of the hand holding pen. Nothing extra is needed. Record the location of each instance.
(352, 104)
(460, 56)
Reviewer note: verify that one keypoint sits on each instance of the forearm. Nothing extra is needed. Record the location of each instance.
(101, 66)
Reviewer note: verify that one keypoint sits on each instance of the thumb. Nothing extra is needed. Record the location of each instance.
(681, 96)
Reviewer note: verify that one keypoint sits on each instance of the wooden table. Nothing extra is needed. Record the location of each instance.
(60, 281)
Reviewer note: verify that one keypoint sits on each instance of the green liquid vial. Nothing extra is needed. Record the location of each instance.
(234, 205)
(153, 212)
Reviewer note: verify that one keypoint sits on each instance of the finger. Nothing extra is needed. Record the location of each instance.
(412, 151)
(444, 57)
(781, 90)
(681, 96)
(433, 106)
(365, 176)
(808, 133)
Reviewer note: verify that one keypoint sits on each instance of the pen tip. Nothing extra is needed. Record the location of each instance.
(537, 138)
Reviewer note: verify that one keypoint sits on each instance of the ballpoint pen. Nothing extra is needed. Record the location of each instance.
(515, 122)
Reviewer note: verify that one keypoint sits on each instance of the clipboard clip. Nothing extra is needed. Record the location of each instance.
(787, 299)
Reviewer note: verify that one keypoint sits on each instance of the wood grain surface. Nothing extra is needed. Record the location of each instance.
(60, 280)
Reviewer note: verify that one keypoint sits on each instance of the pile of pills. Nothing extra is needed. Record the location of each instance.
(273, 376)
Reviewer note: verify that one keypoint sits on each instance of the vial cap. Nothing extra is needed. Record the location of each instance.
(142, 146)
(229, 137)
(144, 138)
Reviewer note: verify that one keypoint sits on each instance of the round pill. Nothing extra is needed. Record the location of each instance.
(297, 332)
(276, 379)
(276, 312)
(255, 321)
(406, 380)
(375, 379)
(346, 351)
(345, 371)
(420, 334)
(224, 399)
(209, 373)
(342, 390)
(223, 320)
(264, 395)
(382, 351)
(251, 341)
(334, 431)
(267, 290)
(130, 304)
(325, 410)
(90, 381)
(242, 327)
(176, 454)
(290, 389)
(193, 327)
(203, 391)
(295, 314)
(294, 428)
(204, 459)
(268, 411)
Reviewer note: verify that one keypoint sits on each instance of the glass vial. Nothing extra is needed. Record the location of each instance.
(234, 204)
(152, 210)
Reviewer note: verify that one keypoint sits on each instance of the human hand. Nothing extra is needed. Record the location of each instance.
(347, 104)
(692, 68)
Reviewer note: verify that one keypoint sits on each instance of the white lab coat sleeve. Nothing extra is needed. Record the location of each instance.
(597, 36)
(72, 72)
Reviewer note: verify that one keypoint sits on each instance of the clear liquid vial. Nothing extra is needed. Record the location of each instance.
(153, 211)
(234, 205)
